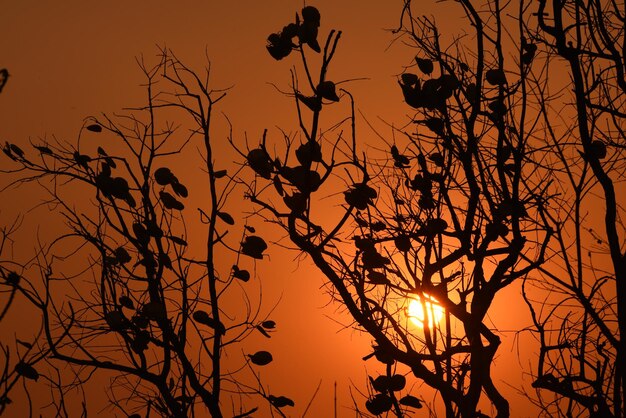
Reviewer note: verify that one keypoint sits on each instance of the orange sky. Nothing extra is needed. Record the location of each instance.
(70, 59)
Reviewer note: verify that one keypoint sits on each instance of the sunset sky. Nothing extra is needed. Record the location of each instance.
(72, 59)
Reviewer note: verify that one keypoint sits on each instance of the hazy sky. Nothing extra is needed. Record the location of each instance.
(70, 59)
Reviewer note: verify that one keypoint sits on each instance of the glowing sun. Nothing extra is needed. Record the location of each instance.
(428, 310)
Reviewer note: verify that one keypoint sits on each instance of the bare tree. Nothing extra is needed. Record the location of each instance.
(423, 235)
(579, 301)
(130, 290)
(498, 175)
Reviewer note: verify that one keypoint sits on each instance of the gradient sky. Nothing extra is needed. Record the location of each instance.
(70, 59)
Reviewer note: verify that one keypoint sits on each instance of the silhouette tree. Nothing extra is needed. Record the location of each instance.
(578, 302)
(129, 290)
(452, 212)
(496, 177)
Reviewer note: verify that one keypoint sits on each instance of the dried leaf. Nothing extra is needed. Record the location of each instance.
(307, 31)
(12, 278)
(154, 311)
(26, 370)
(154, 229)
(269, 324)
(309, 152)
(397, 382)
(117, 187)
(380, 384)
(243, 275)
(261, 358)
(140, 321)
(180, 189)
(598, 149)
(122, 256)
(402, 242)
(360, 195)
(379, 404)
(116, 320)
(377, 277)
(400, 161)
(226, 218)
(260, 162)
(436, 125)
(278, 185)
(262, 331)
(139, 344)
(43, 149)
(383, 355)
(177, 240)
(425, 65)
(279, 45)
(305, 180)
(311, 15)
(435, 226)
(141, 233)
(495, 77)
(378, 226)
(127, 302)
(253, 246)
(170, 202)
(411, 401)
(165, 261)
(314, 103)
(372, 259)
(164, 176)
(327, 90)
(409, 79)
(81, 159)
(280, 401)
(24, 343)
(202, 317)
(436, 158)
(296, 203)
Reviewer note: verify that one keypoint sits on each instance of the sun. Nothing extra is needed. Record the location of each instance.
(428, 310)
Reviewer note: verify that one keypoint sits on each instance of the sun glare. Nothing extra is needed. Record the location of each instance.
(428, 310)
